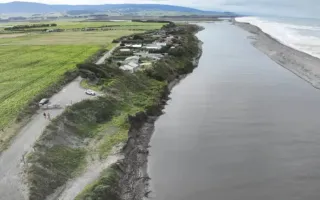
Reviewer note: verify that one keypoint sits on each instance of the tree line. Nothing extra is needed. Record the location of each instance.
(27, 26)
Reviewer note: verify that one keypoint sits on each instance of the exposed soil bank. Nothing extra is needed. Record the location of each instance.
(134, 179)
(303, 65)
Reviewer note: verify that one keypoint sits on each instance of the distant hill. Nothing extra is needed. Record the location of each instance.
(28, 7)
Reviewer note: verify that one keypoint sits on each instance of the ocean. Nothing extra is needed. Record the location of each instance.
(302, 34)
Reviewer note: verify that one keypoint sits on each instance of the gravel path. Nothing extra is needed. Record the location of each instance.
(11, 160)
(77, 185)
(106, 55)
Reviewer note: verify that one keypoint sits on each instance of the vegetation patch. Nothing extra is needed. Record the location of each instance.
(53, 168)
(81, 123)
(103, 188)
(39, 68)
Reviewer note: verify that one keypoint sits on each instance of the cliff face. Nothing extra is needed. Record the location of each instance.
(134, 179)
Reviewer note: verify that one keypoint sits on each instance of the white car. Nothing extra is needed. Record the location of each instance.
(90, 92)
(43, 102)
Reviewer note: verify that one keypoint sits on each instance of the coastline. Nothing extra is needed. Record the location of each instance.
(301, 64)
(68, 143)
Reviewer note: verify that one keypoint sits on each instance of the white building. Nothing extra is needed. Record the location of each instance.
(125, 50)
(131, 67)
(134, 59)
(127, 68)
(162, 44)
(136, 45)
(153, 47)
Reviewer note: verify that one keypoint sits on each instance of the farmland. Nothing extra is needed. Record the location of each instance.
(31, 62)
(69, 25)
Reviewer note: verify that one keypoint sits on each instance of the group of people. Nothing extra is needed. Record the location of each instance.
(47, 116)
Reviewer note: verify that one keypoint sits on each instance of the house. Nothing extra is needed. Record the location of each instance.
(131, 67)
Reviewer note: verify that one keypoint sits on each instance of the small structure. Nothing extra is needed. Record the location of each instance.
(131, 64)
(134, 59)
(134, 65)
(154, 56)
(125, 50)
(136, 45)
(153, 47)
(131, 67)
(147, 64)
(161, 44)
(126, 68)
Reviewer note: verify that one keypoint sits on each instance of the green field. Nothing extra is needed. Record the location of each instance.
(27, 70)
(68, 25)
(31, 62)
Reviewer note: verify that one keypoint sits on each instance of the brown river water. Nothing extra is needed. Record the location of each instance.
(240, 127)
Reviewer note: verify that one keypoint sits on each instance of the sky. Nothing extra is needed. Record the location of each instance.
(307, 8)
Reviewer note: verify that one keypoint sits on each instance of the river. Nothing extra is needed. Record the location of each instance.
(240, 127)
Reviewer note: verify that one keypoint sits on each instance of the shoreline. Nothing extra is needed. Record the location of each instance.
(299, 63)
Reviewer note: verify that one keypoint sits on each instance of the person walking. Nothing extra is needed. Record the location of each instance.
(49, 117)
(45, 115)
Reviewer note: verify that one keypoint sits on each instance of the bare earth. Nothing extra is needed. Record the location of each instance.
(303, 65)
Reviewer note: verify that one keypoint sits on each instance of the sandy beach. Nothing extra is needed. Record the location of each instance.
(303, 65)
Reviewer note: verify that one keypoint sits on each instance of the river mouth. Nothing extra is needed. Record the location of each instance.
(239, 127)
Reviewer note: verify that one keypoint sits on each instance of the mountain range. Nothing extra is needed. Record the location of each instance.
(29, 7)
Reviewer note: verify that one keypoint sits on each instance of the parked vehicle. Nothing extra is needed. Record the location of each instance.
(43, 102)
(90, 92)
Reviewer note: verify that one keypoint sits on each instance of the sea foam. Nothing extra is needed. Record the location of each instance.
(303, 38)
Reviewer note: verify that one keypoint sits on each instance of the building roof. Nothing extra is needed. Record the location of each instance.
(153, 46)
(125, 50)
(137, 45)
(133, 64)
(132, 58)
(126, 68)
(161, 44)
